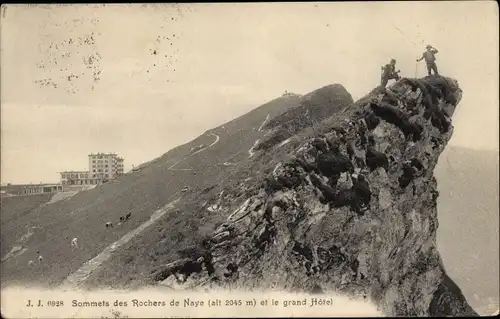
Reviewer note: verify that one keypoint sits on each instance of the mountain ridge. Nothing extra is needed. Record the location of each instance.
(244, 251)
(311, 173)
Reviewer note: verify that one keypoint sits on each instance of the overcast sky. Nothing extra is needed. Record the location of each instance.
(141, 79)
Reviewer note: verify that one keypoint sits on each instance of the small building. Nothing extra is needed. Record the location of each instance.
(78, 178)
(31, 189)
(42, 189)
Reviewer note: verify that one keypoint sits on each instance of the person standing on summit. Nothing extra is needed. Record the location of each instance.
(430, 59)
(389, 72)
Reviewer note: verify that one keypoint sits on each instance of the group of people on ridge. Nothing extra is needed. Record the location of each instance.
(389, 70)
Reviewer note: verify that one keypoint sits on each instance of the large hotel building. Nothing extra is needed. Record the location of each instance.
(102, 167)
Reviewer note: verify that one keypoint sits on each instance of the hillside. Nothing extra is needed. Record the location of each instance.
(14, 210)
(312, 193)
(295, 226)
(468, 215)
(248, 248)
(141, 193)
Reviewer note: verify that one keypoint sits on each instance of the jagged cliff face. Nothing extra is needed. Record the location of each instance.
(352, 209)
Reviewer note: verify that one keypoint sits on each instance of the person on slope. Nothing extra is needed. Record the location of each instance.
(389, 72)
(430, 59)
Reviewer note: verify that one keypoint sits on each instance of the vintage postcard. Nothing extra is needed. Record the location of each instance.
(249, 160)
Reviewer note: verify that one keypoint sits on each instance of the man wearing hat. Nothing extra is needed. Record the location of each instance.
(430, 59)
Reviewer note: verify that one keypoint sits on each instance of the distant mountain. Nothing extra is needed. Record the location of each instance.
(468, 213)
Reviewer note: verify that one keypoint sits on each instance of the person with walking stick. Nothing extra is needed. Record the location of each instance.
(430, 59)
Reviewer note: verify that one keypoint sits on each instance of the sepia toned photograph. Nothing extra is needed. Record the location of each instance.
(335, 159)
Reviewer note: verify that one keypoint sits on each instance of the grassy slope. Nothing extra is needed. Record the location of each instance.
(14, 209)
(141, 193)
(129, 267)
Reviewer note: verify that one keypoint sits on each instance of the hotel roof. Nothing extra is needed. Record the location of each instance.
(112, 154)
(79, 172)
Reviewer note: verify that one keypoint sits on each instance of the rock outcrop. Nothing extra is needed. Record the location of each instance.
(352, 210)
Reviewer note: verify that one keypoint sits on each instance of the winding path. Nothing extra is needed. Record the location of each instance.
(198, 151)
(78, 277)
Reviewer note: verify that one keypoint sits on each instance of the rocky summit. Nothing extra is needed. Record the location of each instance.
(349, 206)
